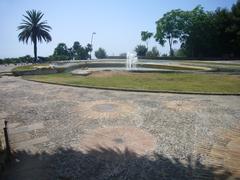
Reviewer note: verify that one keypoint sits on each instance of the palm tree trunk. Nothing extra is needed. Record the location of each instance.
(35, 50)
(170, 46)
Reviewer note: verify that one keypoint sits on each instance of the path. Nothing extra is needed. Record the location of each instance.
(44, 118)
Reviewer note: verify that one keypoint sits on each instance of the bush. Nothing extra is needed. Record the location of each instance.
(141, 50)
(58, 58)
(100, 53)
(180, 53)
(23, 59)
(153, 53)
(123, 55)
(164, 55)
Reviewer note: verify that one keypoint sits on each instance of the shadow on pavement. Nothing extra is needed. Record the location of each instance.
(106, 164)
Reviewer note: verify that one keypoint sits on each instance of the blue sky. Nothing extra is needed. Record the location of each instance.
(117, 23)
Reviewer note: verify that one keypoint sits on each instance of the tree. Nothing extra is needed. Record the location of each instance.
(76, 50)
(145, 35)
(153, 53)
(141, 50)
(235, 28)
(180, 53)
(169, 28)
(123, 55)
(34, 29)
(100, 53)
(80, 52)
(200, 33)
(210, 34)
(89, 50)
(61, 50)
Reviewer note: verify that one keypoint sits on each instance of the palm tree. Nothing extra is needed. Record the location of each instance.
(145, 35)
(34, 29)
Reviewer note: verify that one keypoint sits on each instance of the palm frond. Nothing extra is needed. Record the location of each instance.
(33, 28)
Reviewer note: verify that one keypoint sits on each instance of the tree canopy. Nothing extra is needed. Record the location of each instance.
(169, 28)
(34, 29)
(62, 52)
(145, 35)
(100, 53)
(202, 33)
(141, 50)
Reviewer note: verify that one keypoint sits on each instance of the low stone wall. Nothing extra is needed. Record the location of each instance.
(95, 65)
(35, 72)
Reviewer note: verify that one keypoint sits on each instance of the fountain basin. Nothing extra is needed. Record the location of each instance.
(120, 65)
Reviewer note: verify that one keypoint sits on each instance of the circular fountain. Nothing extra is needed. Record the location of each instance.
(130, 64)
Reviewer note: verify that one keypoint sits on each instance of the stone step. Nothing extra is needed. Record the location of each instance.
(29, 143)
(26, 128)
(16, 138)
(29, 149)
(13, 125)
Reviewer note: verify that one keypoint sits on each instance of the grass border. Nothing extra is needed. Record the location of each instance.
(136, 90)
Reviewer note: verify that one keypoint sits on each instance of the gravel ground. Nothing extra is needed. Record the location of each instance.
(6, 68)
(179, 124)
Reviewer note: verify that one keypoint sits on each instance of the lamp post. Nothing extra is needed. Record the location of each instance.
(92, 45)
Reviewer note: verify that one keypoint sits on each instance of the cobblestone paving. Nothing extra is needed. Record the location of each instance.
(48, 117)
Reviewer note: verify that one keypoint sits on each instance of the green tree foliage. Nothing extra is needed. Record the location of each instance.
(153, 53)
(33, 29)
(169, 28)
(213, 34)
(61, 50)
(78, 52)
(199, 33)
(123, 55)
(180, 53)
(23, 59)
(235, 28)
(141, 50)
(202, 33)
(100, 53)
(145, 36)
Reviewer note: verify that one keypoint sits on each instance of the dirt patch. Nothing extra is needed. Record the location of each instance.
(104, 109)
(108, 73)
(181, 105)
(119, 139)
(225, 152)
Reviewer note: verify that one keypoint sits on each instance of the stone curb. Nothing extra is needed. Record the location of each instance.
(138, 90)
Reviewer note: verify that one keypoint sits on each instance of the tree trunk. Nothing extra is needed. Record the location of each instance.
(35, 50)
(170, 45)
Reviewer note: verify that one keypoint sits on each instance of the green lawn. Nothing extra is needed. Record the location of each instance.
(217, 67)
(188, 67)
(28, 67)
(180, 82)
(215, 63)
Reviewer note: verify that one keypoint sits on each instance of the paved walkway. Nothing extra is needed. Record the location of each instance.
(66, 133)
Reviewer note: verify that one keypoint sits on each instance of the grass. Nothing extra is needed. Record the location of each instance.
(176, 67)
(180, 82)
(216, 63)
(28, 67)
(218, 67)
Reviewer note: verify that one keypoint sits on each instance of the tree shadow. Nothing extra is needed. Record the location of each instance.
(104, 164)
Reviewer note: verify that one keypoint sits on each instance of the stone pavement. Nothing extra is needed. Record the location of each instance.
(71, 133)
